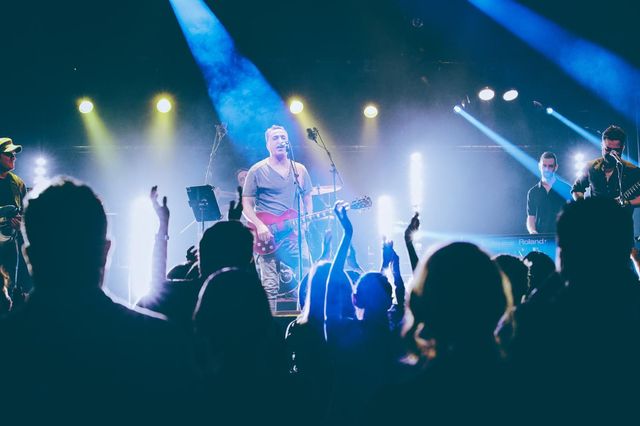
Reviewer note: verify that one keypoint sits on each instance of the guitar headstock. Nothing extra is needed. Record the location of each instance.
(361, 203)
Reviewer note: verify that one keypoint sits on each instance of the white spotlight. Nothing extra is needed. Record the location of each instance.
(579, 157)
(457, 109)
(40, 171)
(486, 94)
(385, 216)
(370, 111)
(549, 110)
(85, 107)
(510, 95)
(41, 161)
(163, 105)
(143, 223)
(296, 106)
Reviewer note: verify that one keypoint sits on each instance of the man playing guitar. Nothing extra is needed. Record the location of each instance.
(270, 190)
(12, 191)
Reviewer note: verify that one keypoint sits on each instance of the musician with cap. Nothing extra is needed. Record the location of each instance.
(12, 191)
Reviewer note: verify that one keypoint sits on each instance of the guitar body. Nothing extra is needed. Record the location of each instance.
(281, 228)
(285, 225)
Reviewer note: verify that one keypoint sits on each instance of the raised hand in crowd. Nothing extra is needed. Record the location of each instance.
(159, 259)
(414, 225)
(337, 283)
(390, 259)
(235, 207)
(326, 245)
(162, 211)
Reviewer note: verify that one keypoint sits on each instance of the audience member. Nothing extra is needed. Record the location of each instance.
(86, 358)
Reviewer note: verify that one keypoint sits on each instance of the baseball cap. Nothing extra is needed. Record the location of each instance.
(6, 145)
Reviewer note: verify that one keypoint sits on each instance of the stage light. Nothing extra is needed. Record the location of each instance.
(549, 110)
(385, 216)
(163, 105)
(296, 106)
(41, 161)
(579, 157)
(142, 225)
(40, 171)
(486, 94)
(510, 95)
(370, 111)
(457, 109)
(85, 107)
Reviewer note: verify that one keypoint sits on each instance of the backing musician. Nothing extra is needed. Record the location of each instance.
(270, 187)
(609, 176)
(12, 191)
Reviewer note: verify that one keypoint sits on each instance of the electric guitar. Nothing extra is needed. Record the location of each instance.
(629, 194)
(285, 225)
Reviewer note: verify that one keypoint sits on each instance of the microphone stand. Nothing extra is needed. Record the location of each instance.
(314, 135)
(620, 169)
(296, 180)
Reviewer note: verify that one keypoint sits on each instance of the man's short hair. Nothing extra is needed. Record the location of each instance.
(271, 129)
(547, 155)
(66, 224)
(615, 133)
(594, 230)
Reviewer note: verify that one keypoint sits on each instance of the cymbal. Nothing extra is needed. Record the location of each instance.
(324, 189)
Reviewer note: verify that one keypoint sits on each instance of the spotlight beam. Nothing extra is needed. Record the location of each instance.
(518, 154)
(584, 133)
(610, 77)
(238, 91)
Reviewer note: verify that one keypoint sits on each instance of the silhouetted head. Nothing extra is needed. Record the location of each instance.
(516, 271)
(65, 230)
(373, 294)
(595, 238)
(225, 244)
(540, 268)
(458, 294)
(232, 309)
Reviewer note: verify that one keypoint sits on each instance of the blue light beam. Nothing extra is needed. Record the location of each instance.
(519, 155)
(238, 91)
(595, 140)
(608, 76)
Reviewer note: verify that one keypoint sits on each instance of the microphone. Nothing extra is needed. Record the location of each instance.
(312, 134)
(616, 156)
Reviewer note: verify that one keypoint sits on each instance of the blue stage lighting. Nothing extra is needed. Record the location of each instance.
(518, 154)
(238, 91)
(602, 72)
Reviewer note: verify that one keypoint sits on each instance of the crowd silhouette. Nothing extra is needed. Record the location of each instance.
(469, 339)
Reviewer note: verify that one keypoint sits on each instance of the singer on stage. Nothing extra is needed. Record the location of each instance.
(609, 176)
(270, 188)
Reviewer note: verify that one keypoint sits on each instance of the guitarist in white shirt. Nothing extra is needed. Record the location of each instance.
(270, 188)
